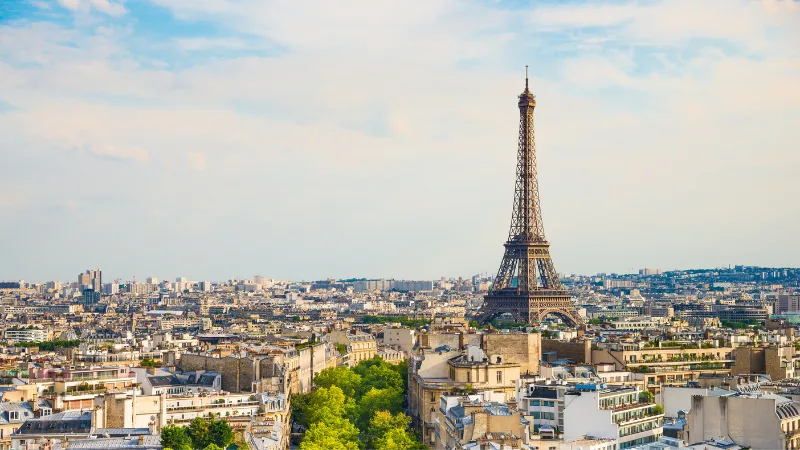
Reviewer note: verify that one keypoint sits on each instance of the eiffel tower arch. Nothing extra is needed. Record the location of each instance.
(527, 284)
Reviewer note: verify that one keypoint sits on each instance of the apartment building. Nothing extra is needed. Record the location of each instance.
(360, 346)
(657, 366)
(450, 362)
(756, 421)
(468, 419)
(777, 361)
(157, 411)
(400, 338)
(12, 416)
(75, 387)
(27, 334)
(610, 413)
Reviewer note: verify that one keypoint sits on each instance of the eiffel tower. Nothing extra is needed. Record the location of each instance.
(527, 284)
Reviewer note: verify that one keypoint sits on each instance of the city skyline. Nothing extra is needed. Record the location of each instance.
(481, 275)
(157, 137)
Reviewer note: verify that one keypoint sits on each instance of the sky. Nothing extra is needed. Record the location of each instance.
(215, 139)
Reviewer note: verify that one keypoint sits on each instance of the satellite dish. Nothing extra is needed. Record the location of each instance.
(152, 417)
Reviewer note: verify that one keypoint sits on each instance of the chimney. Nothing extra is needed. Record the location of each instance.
(141, 439)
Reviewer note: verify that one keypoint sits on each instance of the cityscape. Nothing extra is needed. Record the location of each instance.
(539, 354)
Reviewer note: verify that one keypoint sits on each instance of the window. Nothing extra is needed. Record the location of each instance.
(469, 377)
(433, 396)
(536, 403)
(13, 415)
(499, 376)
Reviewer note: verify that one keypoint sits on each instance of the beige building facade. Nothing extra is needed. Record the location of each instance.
(465, 362)
(760, 423)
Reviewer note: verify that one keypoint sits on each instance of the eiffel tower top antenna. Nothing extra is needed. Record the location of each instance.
(526, 77)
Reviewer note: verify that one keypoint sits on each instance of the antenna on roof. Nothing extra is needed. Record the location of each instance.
(526, 77)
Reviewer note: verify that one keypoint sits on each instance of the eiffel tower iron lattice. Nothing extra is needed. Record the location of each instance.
(527, 284)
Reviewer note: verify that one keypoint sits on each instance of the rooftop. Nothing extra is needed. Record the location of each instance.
(139, 442)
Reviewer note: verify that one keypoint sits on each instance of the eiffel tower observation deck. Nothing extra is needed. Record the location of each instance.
(527, 285)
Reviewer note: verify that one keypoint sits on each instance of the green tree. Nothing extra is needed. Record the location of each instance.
(398, 439)
(381, 423)
(347, 380)
(390, 400)
(299, 408)
(364, 365)
(175, 438)
(199, 432)
(221, 433)
(657, 409)
(326, 404)
(337, 436)
(379, 376)
(367, 397)
(646, 397)
(402, 369)
(212, 446)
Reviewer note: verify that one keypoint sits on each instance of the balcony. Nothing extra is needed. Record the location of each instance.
(76, 393)
(645, 417)
(212, 406)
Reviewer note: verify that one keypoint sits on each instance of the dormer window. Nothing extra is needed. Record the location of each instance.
(13, 415)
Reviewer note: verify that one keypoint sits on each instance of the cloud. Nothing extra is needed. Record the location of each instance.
(765, 26)
(104, 6)
(12, 199)
(115, 153)
(202, 43)
(401, 121)
(197, 161)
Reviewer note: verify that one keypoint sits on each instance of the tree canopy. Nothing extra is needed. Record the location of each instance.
(351, 406)
(175, 437)
(347, 380)
(201, 434)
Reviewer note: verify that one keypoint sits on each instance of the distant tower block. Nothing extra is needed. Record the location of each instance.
(527, 284)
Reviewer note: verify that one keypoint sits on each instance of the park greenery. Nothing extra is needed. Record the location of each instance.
(50, 345)
(356, 409)
(201, 434)
(748, 323)
(402, 320)
(497, 324)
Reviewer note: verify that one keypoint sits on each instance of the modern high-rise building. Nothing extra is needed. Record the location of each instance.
(91, 278)
(648, 271)
(110, 289)
(788, 303)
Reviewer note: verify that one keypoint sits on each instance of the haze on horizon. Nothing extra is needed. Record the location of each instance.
(215, 139)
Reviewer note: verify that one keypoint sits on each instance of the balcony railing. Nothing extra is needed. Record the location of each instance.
(87, 392)
(212, 405)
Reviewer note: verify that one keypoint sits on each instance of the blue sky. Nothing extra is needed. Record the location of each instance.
(214, 139)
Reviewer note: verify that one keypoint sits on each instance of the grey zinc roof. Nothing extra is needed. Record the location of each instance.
(63, 422)
(164, 380)
(122, 432)
(149, 442)
(23, 408)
